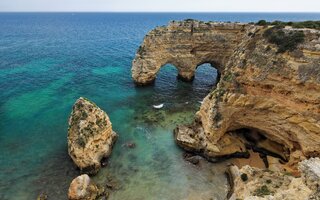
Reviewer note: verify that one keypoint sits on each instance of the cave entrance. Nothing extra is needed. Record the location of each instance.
(169, 87)
(262, 149)
(206, 76)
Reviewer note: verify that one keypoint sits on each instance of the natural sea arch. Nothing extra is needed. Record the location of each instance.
(186, 45)
(206, 71)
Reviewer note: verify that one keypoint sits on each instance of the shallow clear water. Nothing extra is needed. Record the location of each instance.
(48, 60)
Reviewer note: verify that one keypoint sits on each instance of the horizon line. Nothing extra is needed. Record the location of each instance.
(35, 11)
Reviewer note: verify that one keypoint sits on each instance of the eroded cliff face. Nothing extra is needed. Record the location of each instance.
(252, 183)
(186, 45)
(271, 98)
(267, 99)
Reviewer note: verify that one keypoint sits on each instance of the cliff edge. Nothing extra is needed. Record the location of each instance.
(268, 97)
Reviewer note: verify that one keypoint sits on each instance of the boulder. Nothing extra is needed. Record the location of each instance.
(252, 183)
(83, 188)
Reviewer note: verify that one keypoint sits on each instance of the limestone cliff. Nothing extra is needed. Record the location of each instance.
(273, 97)
(90, 135)
(252, 183)
(186, 44)
(267, 96)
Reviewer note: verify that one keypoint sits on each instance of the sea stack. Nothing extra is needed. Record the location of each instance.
(90, 136)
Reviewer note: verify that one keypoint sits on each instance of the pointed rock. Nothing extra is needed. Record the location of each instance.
(90, 136)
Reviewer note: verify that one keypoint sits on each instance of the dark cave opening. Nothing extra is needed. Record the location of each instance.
(259, 142)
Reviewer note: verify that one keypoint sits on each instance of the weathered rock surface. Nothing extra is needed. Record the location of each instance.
(186, 44)
(90, 136)
(251, 183)
(273, 96)
(83, 188)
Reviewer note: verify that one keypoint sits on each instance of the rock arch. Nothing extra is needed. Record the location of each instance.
(186, 44)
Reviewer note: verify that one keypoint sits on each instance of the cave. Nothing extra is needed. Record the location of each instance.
(258, 141)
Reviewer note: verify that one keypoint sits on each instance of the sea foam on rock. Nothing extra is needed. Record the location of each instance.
(90, 136)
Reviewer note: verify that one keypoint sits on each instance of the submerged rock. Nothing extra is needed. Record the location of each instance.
(90, 136)
(252, 183)
(42, 196)
(194, 159)
(130, 145)
(83, 188)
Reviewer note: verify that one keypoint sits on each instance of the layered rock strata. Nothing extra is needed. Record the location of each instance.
(90, 136)
(186, 45)
(252, 183)
(271, 97)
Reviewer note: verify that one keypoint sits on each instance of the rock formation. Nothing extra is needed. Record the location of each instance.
(252, 183)
(271, 97)
(90, 136)
(83, 188)
(186, 44)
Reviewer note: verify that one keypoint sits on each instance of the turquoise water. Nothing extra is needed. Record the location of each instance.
(48, 60)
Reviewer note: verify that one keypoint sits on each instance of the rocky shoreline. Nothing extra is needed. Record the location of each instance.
(267, 100)
(265, 107)
(253, 183)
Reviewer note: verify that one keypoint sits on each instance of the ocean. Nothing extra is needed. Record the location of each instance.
(48, 60)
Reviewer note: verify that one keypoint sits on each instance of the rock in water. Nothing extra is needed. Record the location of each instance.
(90, 136)
(82, 188)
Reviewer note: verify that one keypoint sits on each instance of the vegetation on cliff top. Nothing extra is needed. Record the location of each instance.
(285, 40)
(304, 24)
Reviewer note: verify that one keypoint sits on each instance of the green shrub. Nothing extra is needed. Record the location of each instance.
(244, 177)
(262, 23)
(217, 117)
(262, 191)
(81, 142)
(285, 41)
(304, 24)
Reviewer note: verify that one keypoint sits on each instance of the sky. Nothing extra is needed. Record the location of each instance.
(162, 5)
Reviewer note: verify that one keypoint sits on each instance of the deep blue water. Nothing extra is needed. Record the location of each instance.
(48, 60)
